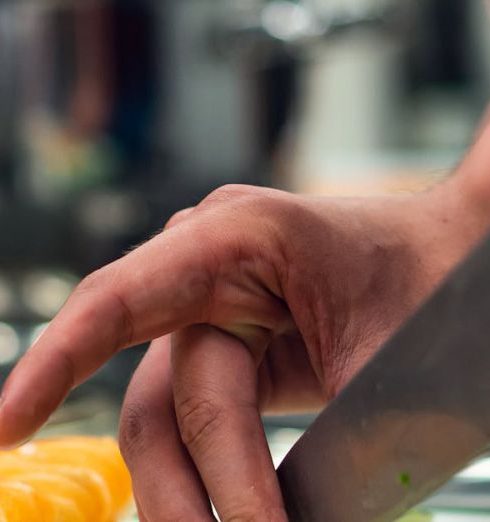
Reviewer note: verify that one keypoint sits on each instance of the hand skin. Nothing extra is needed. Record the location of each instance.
(257, 301)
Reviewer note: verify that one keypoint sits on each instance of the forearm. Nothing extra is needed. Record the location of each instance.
(459, 208)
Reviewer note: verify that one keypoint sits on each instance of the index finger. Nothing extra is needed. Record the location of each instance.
(158, 288)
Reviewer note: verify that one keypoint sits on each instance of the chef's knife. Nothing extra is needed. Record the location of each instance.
(413, 417)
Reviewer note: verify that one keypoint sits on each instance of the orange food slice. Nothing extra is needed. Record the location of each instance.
(22, 503)
(98, 489)
(77, 479)
(58, 509)
(48, 484)
(91, 481)
(101, 455)
(18, 502)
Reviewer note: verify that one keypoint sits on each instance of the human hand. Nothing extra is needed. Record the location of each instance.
(273, 300)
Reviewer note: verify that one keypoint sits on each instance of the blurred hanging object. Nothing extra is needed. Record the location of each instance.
(479, 46)
(92, 98)
(70, 109)
(8, 97)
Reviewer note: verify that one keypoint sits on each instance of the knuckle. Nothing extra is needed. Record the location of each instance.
(177, 218)
(198, 420)
(91, 282)
(100, 288)
(133, 429)
(261, 514)
(125, 321)
(229, 192)
(171, 518)
(68, 368)
(276, 205)
(242, 517)
(172, 222)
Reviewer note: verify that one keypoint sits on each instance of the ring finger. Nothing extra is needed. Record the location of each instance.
(165, 481)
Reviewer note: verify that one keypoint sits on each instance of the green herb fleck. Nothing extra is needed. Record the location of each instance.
(405, 479)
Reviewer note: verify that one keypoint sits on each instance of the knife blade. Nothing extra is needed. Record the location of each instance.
(414, 416)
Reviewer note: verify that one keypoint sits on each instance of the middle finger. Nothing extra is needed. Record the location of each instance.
(215, 389)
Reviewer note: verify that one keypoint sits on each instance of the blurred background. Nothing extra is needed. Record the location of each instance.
(116, 114)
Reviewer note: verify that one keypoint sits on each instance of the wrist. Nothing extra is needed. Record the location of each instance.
(471, 182)
(446, 224)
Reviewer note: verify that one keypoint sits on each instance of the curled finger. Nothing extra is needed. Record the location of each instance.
(215, 387)
(166, 484)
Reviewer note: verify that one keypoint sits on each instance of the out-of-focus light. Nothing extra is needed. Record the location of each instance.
(348, 10)
(9, 344)
(36, 332)
(287, 21)
(113, 213)
(281, 441)
(45, 293)
(479, 470)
